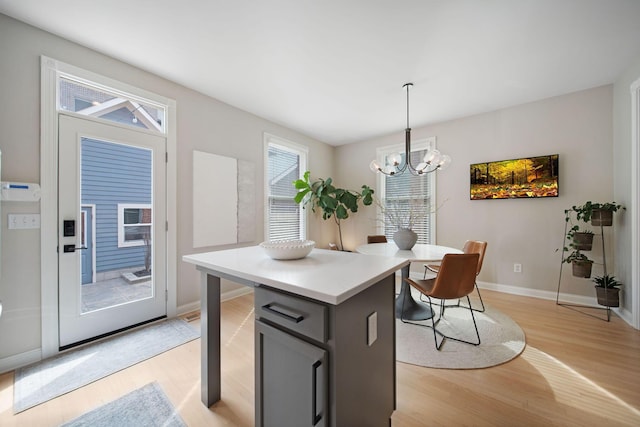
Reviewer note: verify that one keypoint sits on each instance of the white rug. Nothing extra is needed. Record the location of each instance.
(145, 407)
(37, 383)
(501, 340)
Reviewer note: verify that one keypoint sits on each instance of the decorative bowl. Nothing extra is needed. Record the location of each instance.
(288, 249)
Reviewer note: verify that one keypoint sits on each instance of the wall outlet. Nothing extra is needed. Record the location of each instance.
(517, 268)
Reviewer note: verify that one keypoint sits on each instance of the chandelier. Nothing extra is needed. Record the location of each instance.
(431, 162)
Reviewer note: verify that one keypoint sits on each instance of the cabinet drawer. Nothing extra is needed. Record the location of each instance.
(296, 314)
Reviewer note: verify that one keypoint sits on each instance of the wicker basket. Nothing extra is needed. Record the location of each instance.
(581, 268)
(609, 297)
(583, 241)
(601, 217)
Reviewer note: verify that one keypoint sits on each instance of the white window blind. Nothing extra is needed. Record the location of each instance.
(285, 219)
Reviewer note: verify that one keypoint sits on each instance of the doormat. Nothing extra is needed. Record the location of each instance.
(45, 380)
(146, 406)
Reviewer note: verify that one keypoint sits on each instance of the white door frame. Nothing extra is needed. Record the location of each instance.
(635, 203)
(51, 70)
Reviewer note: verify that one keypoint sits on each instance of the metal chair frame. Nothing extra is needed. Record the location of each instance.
(480, 310)
(434, 323)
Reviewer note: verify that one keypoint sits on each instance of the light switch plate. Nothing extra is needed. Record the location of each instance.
(23, 221)
(372, 328)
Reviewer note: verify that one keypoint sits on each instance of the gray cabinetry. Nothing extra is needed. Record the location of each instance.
(319, 364)
(292, 375)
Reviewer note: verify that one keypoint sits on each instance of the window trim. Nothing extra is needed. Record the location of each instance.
(381, 157)
(122, 243)
(303, 152)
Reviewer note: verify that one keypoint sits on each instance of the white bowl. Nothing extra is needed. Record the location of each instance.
(288, 249)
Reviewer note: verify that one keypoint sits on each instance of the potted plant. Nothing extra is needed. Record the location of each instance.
(334, 202)
(580, 264)
(607, 290)
(600, 214)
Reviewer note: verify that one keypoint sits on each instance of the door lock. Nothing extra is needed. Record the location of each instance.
(72, 248)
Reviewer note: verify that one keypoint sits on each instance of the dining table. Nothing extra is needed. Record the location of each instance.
(406, 307)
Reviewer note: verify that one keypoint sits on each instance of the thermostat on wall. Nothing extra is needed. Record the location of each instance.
(20, 191)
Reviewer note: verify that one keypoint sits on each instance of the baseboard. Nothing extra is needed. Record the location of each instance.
(16, 361)
(235, 293)
(224, 296)
(187, 308)
(550, 295)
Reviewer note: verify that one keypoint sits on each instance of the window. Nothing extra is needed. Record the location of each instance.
(89, 100)
(407, 192)
(134, 225)
(284, 163)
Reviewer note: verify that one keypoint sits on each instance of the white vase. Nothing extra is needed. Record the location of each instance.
(405, 238)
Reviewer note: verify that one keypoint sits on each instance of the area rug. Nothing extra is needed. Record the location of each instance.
(501, 340)
(145, 407)
(37, 383)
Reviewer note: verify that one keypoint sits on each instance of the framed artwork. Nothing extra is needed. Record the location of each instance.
(528, 177)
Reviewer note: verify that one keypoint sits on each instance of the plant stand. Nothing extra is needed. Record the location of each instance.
(578, 307)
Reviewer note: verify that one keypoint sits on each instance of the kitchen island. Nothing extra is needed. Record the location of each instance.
(325, 334)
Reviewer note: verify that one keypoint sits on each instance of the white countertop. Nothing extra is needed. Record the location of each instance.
(328, 276)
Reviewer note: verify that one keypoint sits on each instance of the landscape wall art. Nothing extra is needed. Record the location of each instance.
(528, 177)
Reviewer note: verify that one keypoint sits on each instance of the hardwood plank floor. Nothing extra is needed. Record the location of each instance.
(575, 371)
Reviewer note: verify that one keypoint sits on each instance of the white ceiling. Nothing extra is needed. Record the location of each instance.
(334, 69)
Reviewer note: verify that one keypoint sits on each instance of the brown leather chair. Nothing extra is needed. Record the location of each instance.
(456, 279)
(470, 247)
(376, 239)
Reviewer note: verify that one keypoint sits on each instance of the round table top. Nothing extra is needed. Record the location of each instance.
(419, 253)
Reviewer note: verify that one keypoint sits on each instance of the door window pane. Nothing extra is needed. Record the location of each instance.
(90, 101)
(112, 173)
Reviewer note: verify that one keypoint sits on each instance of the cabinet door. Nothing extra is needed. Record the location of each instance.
(291, 380)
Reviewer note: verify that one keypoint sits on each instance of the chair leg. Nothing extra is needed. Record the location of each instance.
(445, 337)
(481, 302)
(434, 324)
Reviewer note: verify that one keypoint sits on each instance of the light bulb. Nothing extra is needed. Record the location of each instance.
(374, 166)
(135, 119)
(389, 169)
(394, 159)
(421, 166)
(445, 161)
(432, 156)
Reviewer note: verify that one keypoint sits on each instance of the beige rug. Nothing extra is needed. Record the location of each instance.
(501, 340)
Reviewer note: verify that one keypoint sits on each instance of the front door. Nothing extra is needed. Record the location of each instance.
(120, 172)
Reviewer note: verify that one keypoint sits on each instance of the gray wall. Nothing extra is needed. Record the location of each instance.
(204, 124)
(577, 126)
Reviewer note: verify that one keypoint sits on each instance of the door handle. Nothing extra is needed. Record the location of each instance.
(284, 313)
(73, 248)
(315, 417)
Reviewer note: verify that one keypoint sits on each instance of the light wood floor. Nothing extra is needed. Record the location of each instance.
(575, 371)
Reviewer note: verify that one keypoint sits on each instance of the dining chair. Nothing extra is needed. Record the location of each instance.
(470, 247)
(455, 280)
(377, 239)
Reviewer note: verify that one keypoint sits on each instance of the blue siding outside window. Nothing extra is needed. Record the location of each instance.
(112, 174)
